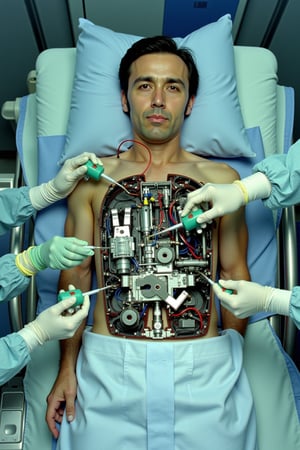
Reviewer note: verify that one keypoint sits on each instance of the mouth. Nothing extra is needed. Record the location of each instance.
(157, 118)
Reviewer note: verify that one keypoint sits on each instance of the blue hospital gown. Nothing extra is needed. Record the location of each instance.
(283, 171)
(16, 208)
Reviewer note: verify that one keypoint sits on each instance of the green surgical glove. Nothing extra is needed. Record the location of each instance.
(57, 253)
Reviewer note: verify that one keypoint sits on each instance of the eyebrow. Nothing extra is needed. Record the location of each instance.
(151, 79)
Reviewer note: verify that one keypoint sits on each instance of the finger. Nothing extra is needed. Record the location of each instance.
(229, 284)
(61, 306)
(190, 204)
(70, 408)
(77, 173)
(74, 254)
(80, 159)
(51, 422)
(217, 290)
(207, 216)
(94, 158)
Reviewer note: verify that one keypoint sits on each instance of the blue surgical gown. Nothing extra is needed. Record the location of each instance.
(283, 171)
(16, 208)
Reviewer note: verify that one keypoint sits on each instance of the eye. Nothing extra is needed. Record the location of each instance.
(144, 86)
(173, 88)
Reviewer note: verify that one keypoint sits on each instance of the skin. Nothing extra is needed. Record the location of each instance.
(158, 103)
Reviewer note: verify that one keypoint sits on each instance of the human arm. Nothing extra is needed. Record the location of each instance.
(227, 198)
(283, 171)
(79, 222)
(250, 298)
(63, 183)
(15, 348)
(12, 281)
(57, 253)
(15, 207)
(233, 241)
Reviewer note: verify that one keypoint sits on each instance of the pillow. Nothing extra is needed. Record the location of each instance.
(97, 122)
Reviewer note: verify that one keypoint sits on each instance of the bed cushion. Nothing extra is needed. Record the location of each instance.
(97, 122)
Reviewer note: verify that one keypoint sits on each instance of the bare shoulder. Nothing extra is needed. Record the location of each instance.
(83, 193)
(216, 172)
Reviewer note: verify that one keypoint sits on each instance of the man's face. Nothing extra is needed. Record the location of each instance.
(158, 97)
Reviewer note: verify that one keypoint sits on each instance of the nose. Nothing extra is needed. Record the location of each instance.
(158, 99)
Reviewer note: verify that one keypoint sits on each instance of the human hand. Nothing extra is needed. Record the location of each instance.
(59, 253)
(62, 185)
(72, 171)
(61, 398)
(52, 324)
(250, 298)
(225, 198)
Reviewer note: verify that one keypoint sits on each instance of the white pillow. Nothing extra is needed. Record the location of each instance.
(97, 122)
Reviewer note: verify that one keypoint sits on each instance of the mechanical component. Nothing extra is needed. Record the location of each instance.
(161, 293)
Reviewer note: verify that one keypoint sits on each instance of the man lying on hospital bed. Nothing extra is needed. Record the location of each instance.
(275, 180)
(151, 388)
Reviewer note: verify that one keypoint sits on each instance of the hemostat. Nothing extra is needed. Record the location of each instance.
(161, 293)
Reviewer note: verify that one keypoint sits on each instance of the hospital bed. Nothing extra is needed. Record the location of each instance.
(43, 134)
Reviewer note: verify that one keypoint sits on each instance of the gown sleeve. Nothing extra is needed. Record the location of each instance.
(15, 207)
(295, 306)
(14, 355)
(12, 281)
(283, 171)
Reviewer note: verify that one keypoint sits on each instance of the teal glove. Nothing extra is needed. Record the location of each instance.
(59, 253)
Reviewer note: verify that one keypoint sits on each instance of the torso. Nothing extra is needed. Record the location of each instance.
(198, 169)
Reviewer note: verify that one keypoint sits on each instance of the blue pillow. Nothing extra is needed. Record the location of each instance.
(97, 122)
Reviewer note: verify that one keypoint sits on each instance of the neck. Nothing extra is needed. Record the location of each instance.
(161, 154)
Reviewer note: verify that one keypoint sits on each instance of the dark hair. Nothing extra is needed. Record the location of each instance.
(158, 44)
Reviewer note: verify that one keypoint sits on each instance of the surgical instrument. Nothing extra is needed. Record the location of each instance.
(211, 282)
(96, 171)
(79, 295)
(188, 222)
(94, 246)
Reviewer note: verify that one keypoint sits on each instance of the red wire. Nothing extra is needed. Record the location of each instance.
(139, 143)
(191, 309)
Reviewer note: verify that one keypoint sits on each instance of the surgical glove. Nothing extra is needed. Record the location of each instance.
(57, 253)
(52, 324)
(63, 184)
(251, 298)
(227, 198)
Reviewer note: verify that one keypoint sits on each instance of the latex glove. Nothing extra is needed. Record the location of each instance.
(57, 253)
(60, 253)
(251, 298)
(227, 198)
(63, 184)
(52, 324)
